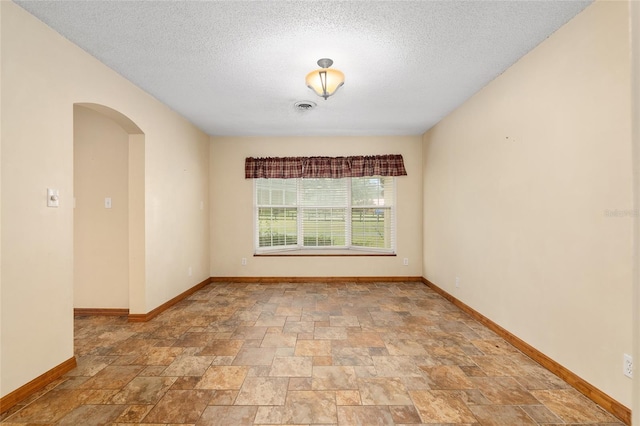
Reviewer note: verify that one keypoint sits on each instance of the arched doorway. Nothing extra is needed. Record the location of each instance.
(109, 258)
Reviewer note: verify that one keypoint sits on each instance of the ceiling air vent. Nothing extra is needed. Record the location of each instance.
(305, 105)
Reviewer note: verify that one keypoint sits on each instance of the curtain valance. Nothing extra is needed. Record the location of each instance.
(324, 167)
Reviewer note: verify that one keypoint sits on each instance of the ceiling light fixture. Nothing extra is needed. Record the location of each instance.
(325, 81)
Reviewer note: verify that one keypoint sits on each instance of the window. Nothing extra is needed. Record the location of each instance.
(325, 213)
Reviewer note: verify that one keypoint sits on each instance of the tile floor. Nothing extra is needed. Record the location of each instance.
(301, 354)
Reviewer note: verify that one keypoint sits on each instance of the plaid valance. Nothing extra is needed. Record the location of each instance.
(324, 167)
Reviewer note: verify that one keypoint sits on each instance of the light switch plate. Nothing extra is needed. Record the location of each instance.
(53, 197)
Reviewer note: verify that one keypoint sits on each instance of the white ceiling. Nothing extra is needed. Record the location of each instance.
(238, 67)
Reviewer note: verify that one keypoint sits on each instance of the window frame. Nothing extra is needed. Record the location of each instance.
(348, 249)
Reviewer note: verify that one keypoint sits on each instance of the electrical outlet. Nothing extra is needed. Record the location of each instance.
(457, 282)
(405, 261)
(244, 261)
(627, 366)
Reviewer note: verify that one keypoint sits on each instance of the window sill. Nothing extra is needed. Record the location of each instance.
(320, 252)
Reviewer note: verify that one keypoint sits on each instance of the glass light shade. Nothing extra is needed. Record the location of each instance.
(325, 81)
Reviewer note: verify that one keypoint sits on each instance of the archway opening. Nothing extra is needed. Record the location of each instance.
(109, 258)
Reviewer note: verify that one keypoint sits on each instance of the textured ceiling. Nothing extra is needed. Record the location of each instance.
(238, 67)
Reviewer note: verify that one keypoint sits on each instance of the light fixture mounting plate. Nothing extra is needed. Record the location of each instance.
(325, 62)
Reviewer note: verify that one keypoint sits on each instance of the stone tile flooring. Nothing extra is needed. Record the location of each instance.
(301, 354)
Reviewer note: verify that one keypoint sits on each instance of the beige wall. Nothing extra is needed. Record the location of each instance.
(635, 93)
(1, 221)
(42, 76)
(232, 202)
(101, 235)
(527, 199)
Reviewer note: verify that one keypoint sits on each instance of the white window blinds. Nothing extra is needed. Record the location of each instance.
(346, 213)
